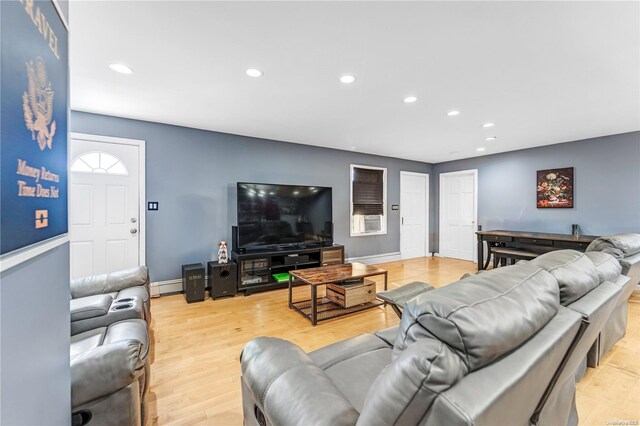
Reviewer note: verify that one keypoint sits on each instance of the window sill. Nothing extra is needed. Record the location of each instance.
(367, 234)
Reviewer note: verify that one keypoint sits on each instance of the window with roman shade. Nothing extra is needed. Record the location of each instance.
(368, 200)
(368, 191)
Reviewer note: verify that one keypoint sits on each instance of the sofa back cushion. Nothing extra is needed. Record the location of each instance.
(111, 282)
(608, 267)
(403, 392)
(575, 272)
(620, 246)
(484, 316)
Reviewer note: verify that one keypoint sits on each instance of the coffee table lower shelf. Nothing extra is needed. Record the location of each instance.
(328, 309)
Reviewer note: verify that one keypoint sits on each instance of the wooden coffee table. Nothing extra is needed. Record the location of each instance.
(320, 309)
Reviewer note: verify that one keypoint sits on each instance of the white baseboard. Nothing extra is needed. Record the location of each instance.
(159, 288)
(376, 258)
(436, 254)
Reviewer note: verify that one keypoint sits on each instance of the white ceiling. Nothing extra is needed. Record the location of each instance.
(543, 72)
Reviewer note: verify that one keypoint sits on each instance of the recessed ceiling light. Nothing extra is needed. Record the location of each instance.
(485, 125)
(347, 79)
(253, 72)
(453, 113)
(353, 148)
(480, 149)
(410, 99)
(490, 138)
(121, 68)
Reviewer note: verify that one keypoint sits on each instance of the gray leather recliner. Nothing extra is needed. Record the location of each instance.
(625, 248)
(128, 284)
(493, 348)
(110, 374)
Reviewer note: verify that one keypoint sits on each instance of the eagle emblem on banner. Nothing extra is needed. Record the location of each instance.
(37, 104)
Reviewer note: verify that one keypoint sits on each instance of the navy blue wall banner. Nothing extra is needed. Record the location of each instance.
(33, 123)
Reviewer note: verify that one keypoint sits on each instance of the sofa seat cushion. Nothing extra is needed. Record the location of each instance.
(575, 272)
(341, 351)
(608, 267)
(404, 391)
(86, 341)
(389, 335)
(355, 376)
(620, 246)
(89, 307)
(484, 316)
(134, 329)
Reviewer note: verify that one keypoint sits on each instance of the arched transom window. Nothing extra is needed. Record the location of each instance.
(98, 162)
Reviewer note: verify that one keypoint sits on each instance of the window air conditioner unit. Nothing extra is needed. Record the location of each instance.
(372, 223)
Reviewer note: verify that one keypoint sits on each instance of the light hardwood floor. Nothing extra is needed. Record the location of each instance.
(195, 371)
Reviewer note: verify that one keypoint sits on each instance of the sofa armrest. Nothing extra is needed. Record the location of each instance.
(110, 283)
(104, 370)
(291, 390)
(89, 307)
(401, 295)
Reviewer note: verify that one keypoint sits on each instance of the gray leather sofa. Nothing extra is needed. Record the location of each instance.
(92, 297)
(501, 347)
(625, 248)
(110, 374)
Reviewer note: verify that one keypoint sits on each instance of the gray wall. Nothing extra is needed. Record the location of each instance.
(35, 381)
(606, 187)
(34, 341)
(192, 174)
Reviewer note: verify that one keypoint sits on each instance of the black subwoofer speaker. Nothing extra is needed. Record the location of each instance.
(222, 279)
(193, 282)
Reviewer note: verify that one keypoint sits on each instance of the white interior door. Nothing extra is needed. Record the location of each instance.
(458, 211)
(414, 215)
(104, 207)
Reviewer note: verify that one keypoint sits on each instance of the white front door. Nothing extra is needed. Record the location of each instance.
(458, 214)
(414, 215)
(104, 207)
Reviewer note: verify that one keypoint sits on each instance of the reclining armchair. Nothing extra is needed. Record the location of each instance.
(625, 248)
(110, 375)
(499, 347)
(95, 293)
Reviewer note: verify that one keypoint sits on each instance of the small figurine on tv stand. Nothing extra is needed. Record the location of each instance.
(223, 257)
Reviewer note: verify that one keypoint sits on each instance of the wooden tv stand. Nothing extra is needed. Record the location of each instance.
(255, 268)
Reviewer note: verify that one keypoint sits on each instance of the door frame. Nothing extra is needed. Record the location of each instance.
(427, 205)
(474, 172)
(142, 222)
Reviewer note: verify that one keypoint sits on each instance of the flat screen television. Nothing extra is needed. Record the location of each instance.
(271, 215)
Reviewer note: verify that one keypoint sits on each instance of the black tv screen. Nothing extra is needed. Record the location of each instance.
(280, 215)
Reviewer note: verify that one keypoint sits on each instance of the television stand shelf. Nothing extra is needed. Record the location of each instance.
(256, 269)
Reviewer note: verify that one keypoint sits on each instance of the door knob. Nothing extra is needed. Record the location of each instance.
(134, 220)
(133, 230)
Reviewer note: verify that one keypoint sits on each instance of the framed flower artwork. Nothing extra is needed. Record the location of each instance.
(555, 188)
